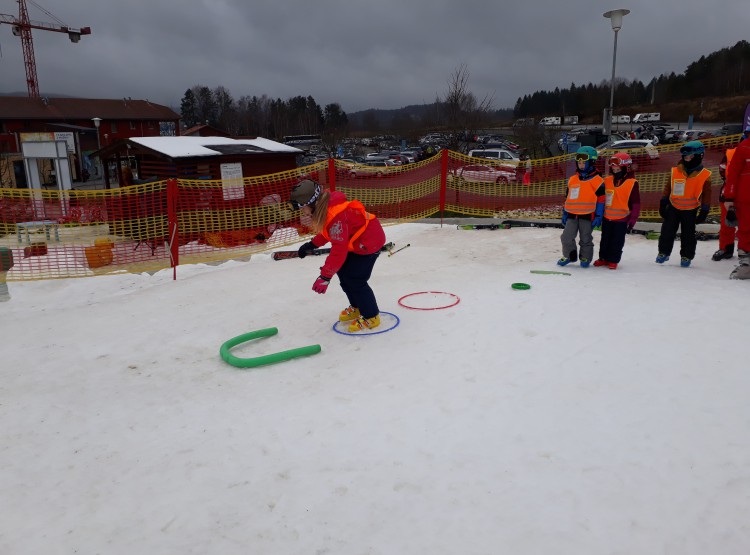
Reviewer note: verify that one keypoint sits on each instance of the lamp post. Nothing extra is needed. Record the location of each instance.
(97, 123)
(615, 17)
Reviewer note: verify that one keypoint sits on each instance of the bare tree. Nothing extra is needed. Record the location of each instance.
(463, 111)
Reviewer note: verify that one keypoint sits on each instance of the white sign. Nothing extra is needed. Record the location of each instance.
(69, 139)
(231, 181)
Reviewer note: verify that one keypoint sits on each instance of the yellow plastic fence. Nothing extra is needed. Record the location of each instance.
(53, 234)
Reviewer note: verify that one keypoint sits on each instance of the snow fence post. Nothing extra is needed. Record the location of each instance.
(174, 236)
(331, 175)
(443, 181)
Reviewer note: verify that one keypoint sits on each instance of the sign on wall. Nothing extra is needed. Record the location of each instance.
(43, 136)
(231, 181)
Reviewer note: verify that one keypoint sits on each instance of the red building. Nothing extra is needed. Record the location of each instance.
(86, 124)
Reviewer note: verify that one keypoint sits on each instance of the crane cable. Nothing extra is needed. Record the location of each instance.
(60, 21)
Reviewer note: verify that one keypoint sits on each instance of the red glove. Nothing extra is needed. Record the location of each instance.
(321, 284)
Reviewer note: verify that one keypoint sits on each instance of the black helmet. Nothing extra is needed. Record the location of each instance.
(305, 193)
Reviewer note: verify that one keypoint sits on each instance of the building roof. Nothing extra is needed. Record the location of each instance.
(185, 147)
(204, 131)
(24, 107)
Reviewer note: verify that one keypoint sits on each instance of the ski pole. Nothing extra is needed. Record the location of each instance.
(402, 248)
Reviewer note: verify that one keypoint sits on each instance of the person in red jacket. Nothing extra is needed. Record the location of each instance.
(356, 238)
(737, 198)
(727, 226)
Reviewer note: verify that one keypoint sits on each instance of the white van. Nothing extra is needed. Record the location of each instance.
(550, 120)
(620, 119)
(647, 116)
(494, 154)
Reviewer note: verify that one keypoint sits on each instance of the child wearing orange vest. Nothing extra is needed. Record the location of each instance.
(621, 209)
(356, 238)
(583, 209)
(685, 202)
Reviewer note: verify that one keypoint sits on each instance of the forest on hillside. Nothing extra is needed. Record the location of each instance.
(725, 73)
(721, 76)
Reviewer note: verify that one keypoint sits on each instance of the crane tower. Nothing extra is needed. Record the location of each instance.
(22, 27)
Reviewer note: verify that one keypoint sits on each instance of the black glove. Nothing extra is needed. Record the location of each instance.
(731, 219)
(663, 206)
(702, 214)
(306, 249)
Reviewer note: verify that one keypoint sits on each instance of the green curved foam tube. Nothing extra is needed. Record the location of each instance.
(252, 362)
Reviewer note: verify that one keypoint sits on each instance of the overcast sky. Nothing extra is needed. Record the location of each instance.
(374, 54)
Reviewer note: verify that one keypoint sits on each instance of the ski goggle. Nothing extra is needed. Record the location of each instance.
(316, 195)
(619, 162)
(582, 157)
(690, 151)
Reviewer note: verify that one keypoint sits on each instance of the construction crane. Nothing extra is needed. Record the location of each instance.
(22, 27)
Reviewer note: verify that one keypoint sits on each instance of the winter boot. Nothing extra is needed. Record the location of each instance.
(612, 265)
(348, 314)
(723, 253)
(743, 270)
(585, 262)
(685, 262)
(565, 260)
(662, 258)
(600, 262)
(362, 323)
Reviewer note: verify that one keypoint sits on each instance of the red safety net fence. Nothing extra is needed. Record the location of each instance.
(153, 226)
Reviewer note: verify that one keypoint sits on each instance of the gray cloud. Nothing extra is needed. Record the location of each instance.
(374, 54)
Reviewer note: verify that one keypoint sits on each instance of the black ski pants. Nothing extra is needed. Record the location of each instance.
(353, 276)
(612, 240)
(678, 219)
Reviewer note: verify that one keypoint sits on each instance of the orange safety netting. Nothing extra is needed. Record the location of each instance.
(157, 225)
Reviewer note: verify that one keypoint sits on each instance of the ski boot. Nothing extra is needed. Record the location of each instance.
(724, 253)
(612, 265)
(585, 262)
(363, 323)
(599, 263)
(743, 270)
(565, 260)
(348, 314)
(685, 262)
(662, 258)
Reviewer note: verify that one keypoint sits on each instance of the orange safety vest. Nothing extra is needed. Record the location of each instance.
(730, 153)
(338, 209)
(616, 206)
(686, 191)
(582, 195)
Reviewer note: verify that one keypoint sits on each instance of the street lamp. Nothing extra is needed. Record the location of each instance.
(97, 123)
(615, 17)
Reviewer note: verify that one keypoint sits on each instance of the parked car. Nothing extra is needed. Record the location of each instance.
(495, 154)
(401, 159)
(730, 129)
(574, 136)
(476, 173)
(673, 136)
(373, 168)
(642, 151)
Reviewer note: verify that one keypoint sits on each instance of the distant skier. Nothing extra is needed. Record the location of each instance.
(685, 202)
(356, 238)
(737, 195)
(583, 208)
(621, 211)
